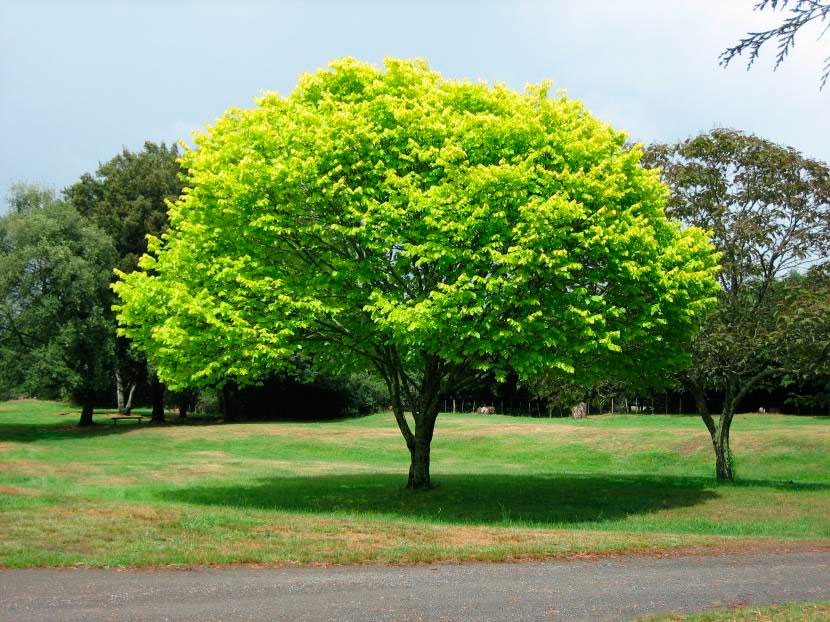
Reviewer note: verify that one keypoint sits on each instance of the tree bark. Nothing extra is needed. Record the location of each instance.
(86, 413)
(719, 433)
(419, 450)
(128, 407)
(119, 391)
(157, 415)
(724, 469)
(723, 460)
(419, 467)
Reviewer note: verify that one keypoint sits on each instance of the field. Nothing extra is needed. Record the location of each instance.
(508, 488)
(798, 612)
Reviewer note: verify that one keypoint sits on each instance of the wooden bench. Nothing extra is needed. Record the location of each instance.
(116, 418)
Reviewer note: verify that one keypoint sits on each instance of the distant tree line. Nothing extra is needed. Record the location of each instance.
(58, 333)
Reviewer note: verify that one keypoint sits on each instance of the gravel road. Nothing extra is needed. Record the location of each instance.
(610, 589)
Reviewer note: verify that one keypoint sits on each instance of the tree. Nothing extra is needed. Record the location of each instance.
(768, 208)
(801, 13)
(24, 197)
(56, 324)
(804, 333)
(127, 198)
(431, 229)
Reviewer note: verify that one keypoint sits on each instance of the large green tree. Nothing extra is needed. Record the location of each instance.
(127, 197)
(768, 208)
(434, 230)
(56, 323)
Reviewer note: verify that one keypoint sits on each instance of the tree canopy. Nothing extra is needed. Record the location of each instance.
(127, 197)
(434, 230)
(56, 325)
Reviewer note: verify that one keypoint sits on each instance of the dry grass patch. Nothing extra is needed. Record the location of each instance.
(781, 439)
(36, 468)
(19, 491)
(351, 541)
(333, 431)
(30, 448)
(210, 454)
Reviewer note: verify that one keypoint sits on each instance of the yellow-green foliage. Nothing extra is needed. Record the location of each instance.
(376, 208)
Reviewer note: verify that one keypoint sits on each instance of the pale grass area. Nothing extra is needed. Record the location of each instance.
(134, 534)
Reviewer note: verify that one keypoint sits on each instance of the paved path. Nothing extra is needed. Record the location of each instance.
(617, 589)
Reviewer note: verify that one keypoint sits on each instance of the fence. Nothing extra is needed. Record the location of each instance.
(662, 404)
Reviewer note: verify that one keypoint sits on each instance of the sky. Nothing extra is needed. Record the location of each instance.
(80, 80)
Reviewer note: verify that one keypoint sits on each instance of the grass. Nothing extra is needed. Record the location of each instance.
(800, 612)
(137, 495)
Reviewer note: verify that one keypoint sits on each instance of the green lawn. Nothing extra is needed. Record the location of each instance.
(799, 612)
(332, 492)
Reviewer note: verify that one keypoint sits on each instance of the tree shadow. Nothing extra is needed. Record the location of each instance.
(67, 428)
(474, 498)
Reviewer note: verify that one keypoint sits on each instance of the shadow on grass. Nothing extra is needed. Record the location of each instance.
(478, 498)
(67, 428)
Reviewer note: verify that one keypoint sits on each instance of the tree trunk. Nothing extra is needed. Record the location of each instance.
(419, 448)
(419, 466)
(86, 413)
(128, 407)
(424, 399)
(183, 410)
(119, 391)
(700, 401)
(230, 403)
(723, 460)
(157, 415)
(724, 468)
(719, 432)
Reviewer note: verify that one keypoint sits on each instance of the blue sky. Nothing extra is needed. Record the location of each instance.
(79, 80)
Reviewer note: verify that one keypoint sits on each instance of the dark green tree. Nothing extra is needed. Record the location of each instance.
(805, 336)
(768, 208)
(56, 323)
(127, 198)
